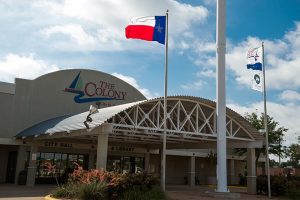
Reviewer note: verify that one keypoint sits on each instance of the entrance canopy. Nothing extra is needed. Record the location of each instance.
(191, 123)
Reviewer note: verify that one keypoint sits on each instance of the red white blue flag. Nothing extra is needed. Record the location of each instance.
(254, 59)
(254, 62)
(147, 28)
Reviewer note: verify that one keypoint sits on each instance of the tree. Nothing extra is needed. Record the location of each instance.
(294, 155)
(275, 135)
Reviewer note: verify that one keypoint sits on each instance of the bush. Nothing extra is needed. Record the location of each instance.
(66, 191)
(92, 191)
(280, 185)
(262, 184)
(293, 188)
(100, 184)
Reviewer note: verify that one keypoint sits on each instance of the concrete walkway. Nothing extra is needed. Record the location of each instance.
(177, 192)
(20, 192)
(180, 192)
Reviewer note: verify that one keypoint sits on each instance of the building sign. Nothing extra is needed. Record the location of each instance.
(94, 91)
(58, 144)
(124, 149)
(132, 149)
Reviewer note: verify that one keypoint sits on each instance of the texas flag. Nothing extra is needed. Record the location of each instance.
(254, 59)
(147, 28)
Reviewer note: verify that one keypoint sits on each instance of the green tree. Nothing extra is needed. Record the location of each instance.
(294, 155)
(275, 135)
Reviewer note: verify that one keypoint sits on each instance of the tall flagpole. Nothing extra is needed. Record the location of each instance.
(266, 122)
(163, 161)
(221, 97)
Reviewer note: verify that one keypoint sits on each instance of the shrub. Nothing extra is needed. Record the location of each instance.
(262, 184)
(92, 191)
(65, 191)
(293, 188)
(100, 184)
(280, 185)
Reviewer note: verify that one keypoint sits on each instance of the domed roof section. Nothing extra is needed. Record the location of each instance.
(53, 75)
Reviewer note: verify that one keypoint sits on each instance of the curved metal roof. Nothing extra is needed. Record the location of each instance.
(70, 123)
(74, 122)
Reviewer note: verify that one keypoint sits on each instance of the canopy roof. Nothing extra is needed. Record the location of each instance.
(189, 120)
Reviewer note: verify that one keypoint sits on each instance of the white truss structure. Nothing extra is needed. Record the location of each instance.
(187, 121)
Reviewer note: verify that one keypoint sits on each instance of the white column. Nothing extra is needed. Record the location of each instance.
(147, 162)
(31, 170)
(232, 172)
(221, 97)
(192, 171)
(20, 161)
(102, 146)
(251, 171)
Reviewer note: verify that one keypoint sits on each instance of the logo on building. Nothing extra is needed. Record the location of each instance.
(94, 91)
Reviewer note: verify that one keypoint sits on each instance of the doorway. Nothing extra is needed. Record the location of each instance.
(11, 167)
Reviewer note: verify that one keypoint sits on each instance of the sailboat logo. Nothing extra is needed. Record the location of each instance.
(76, 88)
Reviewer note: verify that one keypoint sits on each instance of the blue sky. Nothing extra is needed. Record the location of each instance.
(38, 37)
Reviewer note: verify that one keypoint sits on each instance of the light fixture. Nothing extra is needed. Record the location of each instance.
(92, 110)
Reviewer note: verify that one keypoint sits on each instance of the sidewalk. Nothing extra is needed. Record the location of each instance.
(183, 192)
(20, 192)
(176, 192)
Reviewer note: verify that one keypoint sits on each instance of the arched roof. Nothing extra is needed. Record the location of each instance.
(189, 119)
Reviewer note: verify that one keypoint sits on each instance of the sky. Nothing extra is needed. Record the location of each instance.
(39, 37)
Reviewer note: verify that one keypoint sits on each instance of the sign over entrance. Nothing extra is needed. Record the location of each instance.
(94, 91)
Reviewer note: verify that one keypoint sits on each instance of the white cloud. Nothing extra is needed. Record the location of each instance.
(75, 31)
(23, 66)
(193, 86)
(132, 81)
(290, 95)
(281, 58)
(206, 73)
(106, 20)
(210, 2)
(82, 40)
(209, 47)
(286, 115)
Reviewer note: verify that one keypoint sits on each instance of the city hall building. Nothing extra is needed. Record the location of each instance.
(47, 120)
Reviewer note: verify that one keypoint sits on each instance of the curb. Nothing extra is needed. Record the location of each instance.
(48, 197)
(229, 186)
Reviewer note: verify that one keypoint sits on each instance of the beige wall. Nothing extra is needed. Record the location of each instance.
(206, 170)
(155, 164)
(176, 169)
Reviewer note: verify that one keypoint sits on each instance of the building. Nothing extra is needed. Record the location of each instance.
(42, 120)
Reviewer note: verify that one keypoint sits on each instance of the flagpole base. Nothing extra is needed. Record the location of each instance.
(223, 195)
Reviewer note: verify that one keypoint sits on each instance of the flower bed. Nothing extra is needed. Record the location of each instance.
(100, 184)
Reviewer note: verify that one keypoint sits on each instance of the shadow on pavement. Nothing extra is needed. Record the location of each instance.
(12, 190)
